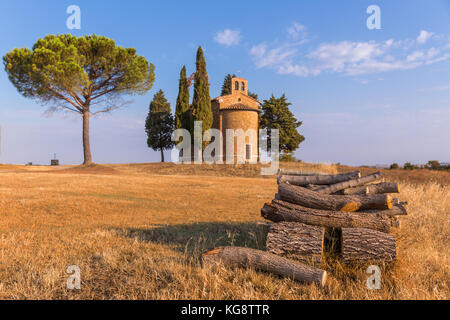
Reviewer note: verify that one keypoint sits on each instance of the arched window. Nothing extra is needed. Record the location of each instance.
(236, 85)
(243, 86)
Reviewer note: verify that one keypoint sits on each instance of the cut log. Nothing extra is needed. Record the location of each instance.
(384, 187)
(397, 210)
(279, 211)
(349, 203)
(296, 240)
(366, 244)
(318, 179)
(355, 190)
(350, 183)
(300, 173)
(313, 187)
(265, 261)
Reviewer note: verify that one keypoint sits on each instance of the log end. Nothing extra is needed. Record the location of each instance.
(212, 252)
(350, 207)
(389, 201)
(211, 258)
(267, 212)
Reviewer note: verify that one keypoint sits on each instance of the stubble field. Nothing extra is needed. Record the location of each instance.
(137, 231)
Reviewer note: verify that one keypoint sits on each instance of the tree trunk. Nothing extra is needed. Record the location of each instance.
(162, 155)
(279, 211)
(350, 183)
(86, 142)
(318, 179)
(265, 261)
(296, 240)
(316, 200)
(384, 187)
(365, 244)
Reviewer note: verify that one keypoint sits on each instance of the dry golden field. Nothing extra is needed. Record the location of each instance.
(136, 232)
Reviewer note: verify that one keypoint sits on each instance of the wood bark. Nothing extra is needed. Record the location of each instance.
(279, 211)
(86, 142)
(350, 183)
(384, 187)
(313, 187)
(397, 210)
(300, 173)
(296, 240)
(318, 179)
(366, 244)
(349, 203)
(265, 261)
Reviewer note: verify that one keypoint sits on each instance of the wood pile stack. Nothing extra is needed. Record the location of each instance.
(308, 210)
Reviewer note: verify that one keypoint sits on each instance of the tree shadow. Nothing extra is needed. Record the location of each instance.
(193, 239)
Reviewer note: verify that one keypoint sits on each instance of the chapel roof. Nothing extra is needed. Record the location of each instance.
(240, 106)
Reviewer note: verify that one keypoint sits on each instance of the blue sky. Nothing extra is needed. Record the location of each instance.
(364, 96)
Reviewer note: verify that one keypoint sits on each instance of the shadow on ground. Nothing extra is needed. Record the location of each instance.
(192, 239)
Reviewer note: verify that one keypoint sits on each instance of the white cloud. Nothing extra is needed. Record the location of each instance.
(297, 70)
(297, 31)
(228, 37)
(351, 58)
(345, 55)
(276, 56)
(424, 36)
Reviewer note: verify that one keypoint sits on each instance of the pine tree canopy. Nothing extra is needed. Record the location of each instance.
(73, 71)
(276, 115)
(79, 74)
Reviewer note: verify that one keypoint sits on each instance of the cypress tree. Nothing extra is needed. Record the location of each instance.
(159, 124)
(253, 95)
(201, 104)
(182, 112)
(227, 85)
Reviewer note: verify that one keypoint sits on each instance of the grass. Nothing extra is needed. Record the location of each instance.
(136, 232)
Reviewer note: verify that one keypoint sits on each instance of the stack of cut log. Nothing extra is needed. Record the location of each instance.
(309, 209)
(361, 209)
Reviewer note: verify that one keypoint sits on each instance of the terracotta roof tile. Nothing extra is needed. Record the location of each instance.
(240, 106)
